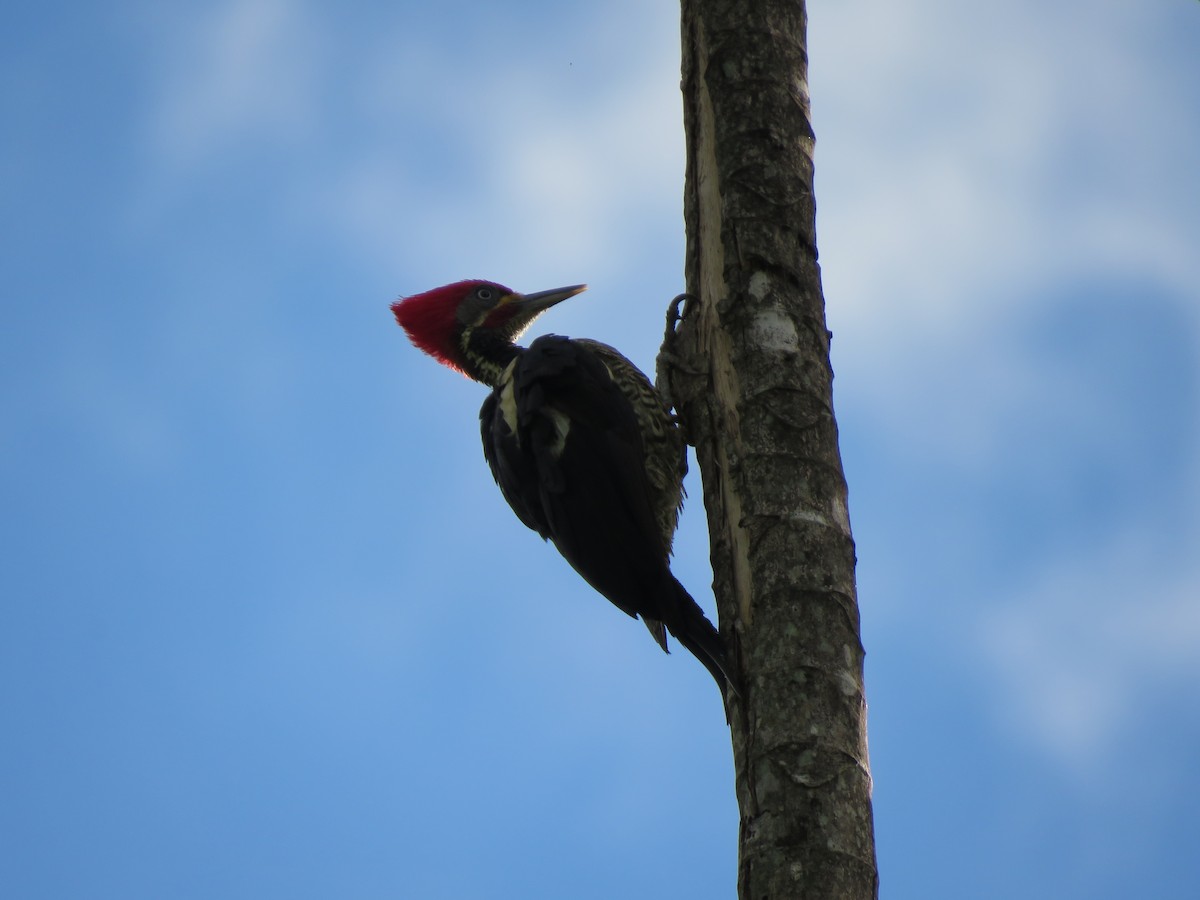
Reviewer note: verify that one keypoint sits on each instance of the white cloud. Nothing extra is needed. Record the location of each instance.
(972, 162)
(1095, 645)
(968, 156)
(552, 177)
(246, 69)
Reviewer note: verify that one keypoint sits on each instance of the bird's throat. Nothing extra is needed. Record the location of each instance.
(486, 354)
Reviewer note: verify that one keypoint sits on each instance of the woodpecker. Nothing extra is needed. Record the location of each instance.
(583, 448)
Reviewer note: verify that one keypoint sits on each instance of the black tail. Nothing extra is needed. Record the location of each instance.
(692, 629)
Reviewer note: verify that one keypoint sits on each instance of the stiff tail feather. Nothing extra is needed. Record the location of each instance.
(692, 629)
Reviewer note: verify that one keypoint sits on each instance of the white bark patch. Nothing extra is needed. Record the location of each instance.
(809, 515)
(772, 330)
(841, 515)
(846, 681)
(760, 285)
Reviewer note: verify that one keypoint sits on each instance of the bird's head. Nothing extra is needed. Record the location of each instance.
(447, 321)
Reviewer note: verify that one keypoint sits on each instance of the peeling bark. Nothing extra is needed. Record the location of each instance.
(749, 373)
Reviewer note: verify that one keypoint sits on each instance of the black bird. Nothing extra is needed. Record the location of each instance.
(583, 448)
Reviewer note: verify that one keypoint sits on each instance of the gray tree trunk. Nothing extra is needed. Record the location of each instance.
(749, 371)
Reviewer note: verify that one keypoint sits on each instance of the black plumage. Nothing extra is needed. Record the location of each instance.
(584, 449)
(566, 447)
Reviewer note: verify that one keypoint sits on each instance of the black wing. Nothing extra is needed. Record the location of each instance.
(514, 471)
(564, 445)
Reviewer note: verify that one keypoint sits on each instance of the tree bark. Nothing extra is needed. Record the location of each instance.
(749, 371)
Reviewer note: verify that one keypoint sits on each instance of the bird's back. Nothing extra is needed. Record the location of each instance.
(663, 448)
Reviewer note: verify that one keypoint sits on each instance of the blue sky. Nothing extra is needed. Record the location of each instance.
(269, 628)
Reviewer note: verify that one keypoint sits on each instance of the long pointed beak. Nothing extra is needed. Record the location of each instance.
(543, 300)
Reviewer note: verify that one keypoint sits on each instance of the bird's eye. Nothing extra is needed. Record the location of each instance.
(484, 293)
